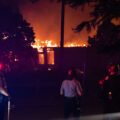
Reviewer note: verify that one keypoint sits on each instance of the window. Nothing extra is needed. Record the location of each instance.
(41, 58)
(50, 57)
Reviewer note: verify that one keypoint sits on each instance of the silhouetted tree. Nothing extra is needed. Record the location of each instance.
(16, 36)
(104, 10)
(107, 39)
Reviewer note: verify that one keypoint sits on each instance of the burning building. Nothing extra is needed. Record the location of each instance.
(49, 54)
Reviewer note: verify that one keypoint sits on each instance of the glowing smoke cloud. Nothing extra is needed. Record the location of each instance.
(45, 18)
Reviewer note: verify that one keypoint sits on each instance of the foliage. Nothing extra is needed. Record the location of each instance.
(16, 35)
(108, 35)
(107, 39)
(103, 10)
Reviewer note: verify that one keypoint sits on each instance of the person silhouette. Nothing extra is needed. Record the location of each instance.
(110, 90)
(70, 88)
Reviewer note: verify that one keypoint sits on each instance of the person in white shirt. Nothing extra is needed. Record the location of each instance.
(70, 89)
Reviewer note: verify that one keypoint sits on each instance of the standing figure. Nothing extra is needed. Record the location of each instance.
(111, 90)
(3, 94)
(70, 89)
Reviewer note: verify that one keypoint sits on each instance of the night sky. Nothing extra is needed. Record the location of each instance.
(45, 18)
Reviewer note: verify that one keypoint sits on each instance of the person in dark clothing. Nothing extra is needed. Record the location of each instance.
(70, 88)
(111, 90)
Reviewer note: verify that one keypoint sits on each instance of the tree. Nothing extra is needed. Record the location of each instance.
(107, 39)
(104, 10)
(16, 36)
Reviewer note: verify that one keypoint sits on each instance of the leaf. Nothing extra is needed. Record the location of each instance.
(80, 26)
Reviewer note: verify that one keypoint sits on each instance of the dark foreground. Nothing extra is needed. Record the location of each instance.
(35, 96)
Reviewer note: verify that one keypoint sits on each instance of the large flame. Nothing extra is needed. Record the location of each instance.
(49, 43)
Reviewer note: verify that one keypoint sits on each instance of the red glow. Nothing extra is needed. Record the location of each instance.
(101, 82)
(107, 77)
(1, 66)
(69, 72)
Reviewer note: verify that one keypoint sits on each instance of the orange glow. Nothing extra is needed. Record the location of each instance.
(41, 58)
(50, 57)
(110, 93)
(49, 69)
(41, 44)
(50, 43)
(116, 21)
(75, 44)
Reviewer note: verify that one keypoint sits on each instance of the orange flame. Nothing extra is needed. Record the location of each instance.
(49, 43)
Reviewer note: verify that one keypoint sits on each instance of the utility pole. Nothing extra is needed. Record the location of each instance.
(62, 35)
(62, 24)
